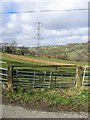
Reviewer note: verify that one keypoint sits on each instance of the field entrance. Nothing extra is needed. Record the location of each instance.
(44, 76)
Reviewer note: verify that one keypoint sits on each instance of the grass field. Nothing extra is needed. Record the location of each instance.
(17, 59)
(52, 99)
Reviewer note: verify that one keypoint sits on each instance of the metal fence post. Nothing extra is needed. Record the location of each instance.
(79, 77)
(10, 78)
(50, 80)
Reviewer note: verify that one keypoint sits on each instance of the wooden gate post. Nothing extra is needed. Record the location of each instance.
(79, 77)
(10, 78)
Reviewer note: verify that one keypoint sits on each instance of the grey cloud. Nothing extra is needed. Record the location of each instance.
(65, 21)
(69, 26)
(64, 40)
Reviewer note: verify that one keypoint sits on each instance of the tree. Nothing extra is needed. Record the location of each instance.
(24, 50)
(10, 47)
(80, 57)
(8, 50)
(13, 47)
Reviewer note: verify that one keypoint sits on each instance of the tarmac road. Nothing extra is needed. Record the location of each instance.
(9, 111)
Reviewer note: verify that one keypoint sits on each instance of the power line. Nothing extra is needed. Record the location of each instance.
(34, 11)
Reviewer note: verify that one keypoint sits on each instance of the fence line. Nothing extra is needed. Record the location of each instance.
(43, 76)
(86, 76)
(3, 74)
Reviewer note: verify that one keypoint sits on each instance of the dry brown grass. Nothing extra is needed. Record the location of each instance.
(29, 59)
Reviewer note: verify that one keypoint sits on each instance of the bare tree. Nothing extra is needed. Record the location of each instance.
(24, 50)
(13, 47)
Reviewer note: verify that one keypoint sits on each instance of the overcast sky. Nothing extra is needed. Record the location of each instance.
(58, 27)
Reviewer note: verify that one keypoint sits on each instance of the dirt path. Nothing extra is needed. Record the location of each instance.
(27, 59)
(9, 111)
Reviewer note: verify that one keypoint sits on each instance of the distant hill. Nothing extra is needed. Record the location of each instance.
(73, 52)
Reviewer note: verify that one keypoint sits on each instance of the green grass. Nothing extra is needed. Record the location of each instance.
(30, 65)
(74, 98)
(61, 61)
(52, 96)
(13, 61)
(16, 62)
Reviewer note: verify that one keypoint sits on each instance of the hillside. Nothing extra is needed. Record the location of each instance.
(71, 52)
(19, 59)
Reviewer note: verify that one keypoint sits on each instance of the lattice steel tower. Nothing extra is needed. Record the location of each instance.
(38, 32)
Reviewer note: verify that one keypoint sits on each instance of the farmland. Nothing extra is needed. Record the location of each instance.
(30, 63)
(66, 53)
(18, 59)
(44, 55)
(52, 98)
